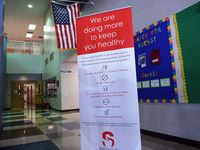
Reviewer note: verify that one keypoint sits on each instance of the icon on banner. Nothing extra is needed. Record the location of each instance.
(106, 112)
(106, 101)
(105, 77)
(104, 68)
(109, 142)
(105, 88)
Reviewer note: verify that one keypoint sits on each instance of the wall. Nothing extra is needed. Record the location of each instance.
(18, 77)
(23, 63)
(181, 120)
(52, 69)
(69, 86)
(21, 67)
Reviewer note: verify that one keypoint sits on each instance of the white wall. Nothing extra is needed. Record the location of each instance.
(69, 85)
(181, 120)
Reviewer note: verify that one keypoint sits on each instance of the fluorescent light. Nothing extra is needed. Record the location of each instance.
(31, 26)
(30, 6)
(46, 29)
(29, 35)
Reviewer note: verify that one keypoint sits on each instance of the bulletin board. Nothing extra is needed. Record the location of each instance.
(155, 66)
(187, 23)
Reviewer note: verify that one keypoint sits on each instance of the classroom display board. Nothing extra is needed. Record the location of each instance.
(109, 116)
(187, 24)
(156, 75)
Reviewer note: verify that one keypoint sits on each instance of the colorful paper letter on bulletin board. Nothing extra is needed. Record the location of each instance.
(187, 24)
(155, 66)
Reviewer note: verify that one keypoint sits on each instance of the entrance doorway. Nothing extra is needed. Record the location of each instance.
(22, 92)
(29, 92)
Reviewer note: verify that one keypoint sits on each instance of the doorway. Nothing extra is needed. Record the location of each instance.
(22, 92)
(29, 92)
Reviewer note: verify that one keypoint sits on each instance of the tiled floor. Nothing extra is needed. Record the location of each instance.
(53, 130)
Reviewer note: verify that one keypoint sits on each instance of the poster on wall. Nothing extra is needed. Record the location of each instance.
(156, 75)
(108, 99)
(187, 23)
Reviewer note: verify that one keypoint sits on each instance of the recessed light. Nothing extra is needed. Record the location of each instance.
(31, 26)
(29, 35)
(30, 6)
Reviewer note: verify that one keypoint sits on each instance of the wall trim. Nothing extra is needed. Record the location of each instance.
(179, 140)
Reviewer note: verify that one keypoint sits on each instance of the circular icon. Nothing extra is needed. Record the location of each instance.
(105, 77)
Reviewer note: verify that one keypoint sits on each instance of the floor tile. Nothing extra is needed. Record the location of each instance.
(57, 118)
(73, 116)
(39, 111)
(23, 140)
(44, 145)
(14, 118)
(51, 128)
(47, 114)
(13, 114)
(59, 135)
(70, 125)
(77, 131)
(42, 123)
(62, 128)
(19, 127)
(9, 134)
(160, 144)
(68, 143)
(17, 123)
(63, 121)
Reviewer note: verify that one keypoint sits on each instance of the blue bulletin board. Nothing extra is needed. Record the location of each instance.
(155, 66)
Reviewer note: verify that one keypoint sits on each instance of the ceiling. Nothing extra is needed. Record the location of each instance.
(18, 17)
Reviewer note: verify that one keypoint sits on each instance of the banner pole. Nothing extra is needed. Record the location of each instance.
(89, 3)
(104, 11)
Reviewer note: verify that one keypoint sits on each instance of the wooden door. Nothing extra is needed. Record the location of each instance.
(17, 95)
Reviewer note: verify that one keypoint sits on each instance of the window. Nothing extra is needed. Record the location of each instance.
(51, 87)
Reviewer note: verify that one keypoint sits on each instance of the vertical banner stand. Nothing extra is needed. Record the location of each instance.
(109, 113)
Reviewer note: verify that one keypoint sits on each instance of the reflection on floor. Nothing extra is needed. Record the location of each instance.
(33, 129)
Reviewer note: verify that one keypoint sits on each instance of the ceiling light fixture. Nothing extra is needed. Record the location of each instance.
(46, 28)
(30, 6)
(29, 35)
(31, 26)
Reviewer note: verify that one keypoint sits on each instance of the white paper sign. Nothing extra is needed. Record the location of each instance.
(109, 115)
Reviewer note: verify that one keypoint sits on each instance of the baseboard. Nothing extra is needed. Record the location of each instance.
(180, 140)
(69, 110)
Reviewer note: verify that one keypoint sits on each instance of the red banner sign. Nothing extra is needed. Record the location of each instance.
(106, 31)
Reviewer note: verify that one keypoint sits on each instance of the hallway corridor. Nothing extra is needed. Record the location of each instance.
(33, 129)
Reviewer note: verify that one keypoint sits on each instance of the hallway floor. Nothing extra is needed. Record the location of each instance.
(33, 129)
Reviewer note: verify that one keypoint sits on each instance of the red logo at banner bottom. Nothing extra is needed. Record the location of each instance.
(106, 136)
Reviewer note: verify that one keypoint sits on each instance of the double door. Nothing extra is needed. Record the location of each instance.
(21, 94)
